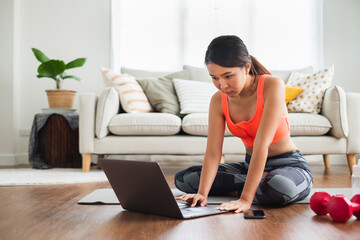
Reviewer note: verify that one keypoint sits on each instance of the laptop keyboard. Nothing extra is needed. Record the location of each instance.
(191, 209)
(186, 208)
(182, 205)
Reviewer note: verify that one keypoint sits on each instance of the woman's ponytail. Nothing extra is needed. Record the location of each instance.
(257, 68)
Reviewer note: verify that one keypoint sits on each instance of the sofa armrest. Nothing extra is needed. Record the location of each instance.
(107, 107)
(87, 122)
(353, 109)
(334, 108)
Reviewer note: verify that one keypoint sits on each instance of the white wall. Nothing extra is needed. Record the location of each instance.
(7, 128)
(342, 41)
(66, 30)
(69, 29)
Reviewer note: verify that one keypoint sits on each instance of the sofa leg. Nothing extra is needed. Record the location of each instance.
(222, 160)
(86, 162)
(351, 161)
(98, 165)
(326, 158)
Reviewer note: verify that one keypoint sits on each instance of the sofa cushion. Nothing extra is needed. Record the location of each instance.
(194, 96)
(301, 124)
(145, 124)
(305, 124)
(107, 108)
(197, 124)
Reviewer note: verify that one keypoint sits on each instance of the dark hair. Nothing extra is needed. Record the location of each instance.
(230, 51)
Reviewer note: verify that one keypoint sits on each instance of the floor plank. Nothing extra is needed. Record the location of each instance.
(52, 212)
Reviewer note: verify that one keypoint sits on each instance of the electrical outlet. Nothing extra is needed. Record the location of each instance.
(24, 132)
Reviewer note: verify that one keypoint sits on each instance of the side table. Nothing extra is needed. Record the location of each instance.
(54, 141)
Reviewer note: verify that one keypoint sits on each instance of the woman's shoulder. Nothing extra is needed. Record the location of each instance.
(216, 102)
(217, 97)
(273, 85)
(273, 82)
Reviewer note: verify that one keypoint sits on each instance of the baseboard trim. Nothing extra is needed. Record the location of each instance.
(13, 159)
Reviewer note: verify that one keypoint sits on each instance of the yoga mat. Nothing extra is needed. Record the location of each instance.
(29, 176)
(107, 196)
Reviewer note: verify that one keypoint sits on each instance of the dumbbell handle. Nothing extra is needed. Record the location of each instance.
(355, 206)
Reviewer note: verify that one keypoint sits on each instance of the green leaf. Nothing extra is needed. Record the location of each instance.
(40, 55)
(76, 63)
(71, 76)
(52, 68)
(44, 76)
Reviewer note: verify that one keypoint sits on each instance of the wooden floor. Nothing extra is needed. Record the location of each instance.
(52, 212)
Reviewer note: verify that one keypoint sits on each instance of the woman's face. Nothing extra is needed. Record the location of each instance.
(230, 80)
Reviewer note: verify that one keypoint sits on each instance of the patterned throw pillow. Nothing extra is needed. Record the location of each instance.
(132, 96)
(310, 100)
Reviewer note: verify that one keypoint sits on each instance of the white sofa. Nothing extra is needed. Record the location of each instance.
(163, 136)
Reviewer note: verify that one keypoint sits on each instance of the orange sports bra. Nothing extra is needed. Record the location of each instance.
(246, 130)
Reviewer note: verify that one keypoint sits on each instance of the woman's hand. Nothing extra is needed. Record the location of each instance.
(238, 205)
(194, 199)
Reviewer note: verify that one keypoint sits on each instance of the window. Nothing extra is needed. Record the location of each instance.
(165, 35)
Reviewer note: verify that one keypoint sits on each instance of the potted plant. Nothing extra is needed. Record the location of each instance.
(55, 69)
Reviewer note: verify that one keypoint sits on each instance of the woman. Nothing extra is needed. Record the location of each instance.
(252, 103)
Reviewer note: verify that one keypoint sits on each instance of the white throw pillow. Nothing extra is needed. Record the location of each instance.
(194, 96)
(132, 96)
(310, 100)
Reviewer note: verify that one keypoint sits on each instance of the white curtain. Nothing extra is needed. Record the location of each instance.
(166, 34)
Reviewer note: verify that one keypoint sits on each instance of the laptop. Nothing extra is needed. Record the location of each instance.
(142, 187)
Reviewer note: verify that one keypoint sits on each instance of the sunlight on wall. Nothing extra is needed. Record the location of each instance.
(164, 35)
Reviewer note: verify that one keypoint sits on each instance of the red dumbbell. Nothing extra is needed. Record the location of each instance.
(339, 206)
(319, 202)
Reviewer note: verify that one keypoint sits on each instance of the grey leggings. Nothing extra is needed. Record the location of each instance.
(289, 179)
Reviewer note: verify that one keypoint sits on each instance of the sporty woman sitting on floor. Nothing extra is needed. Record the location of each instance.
(252, 103)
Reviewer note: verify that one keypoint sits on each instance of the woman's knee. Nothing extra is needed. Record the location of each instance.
(188, 179)
(284, 186)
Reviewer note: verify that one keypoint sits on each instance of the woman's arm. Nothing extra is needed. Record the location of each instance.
(214, 145)
(213, 152)
(274, 95)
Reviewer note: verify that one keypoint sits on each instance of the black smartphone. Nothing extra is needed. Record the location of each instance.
(254, 214)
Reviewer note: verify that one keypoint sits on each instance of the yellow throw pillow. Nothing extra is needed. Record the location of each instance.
(291, 93)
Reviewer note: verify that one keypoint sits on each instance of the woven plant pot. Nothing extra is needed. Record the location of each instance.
(60, 98)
